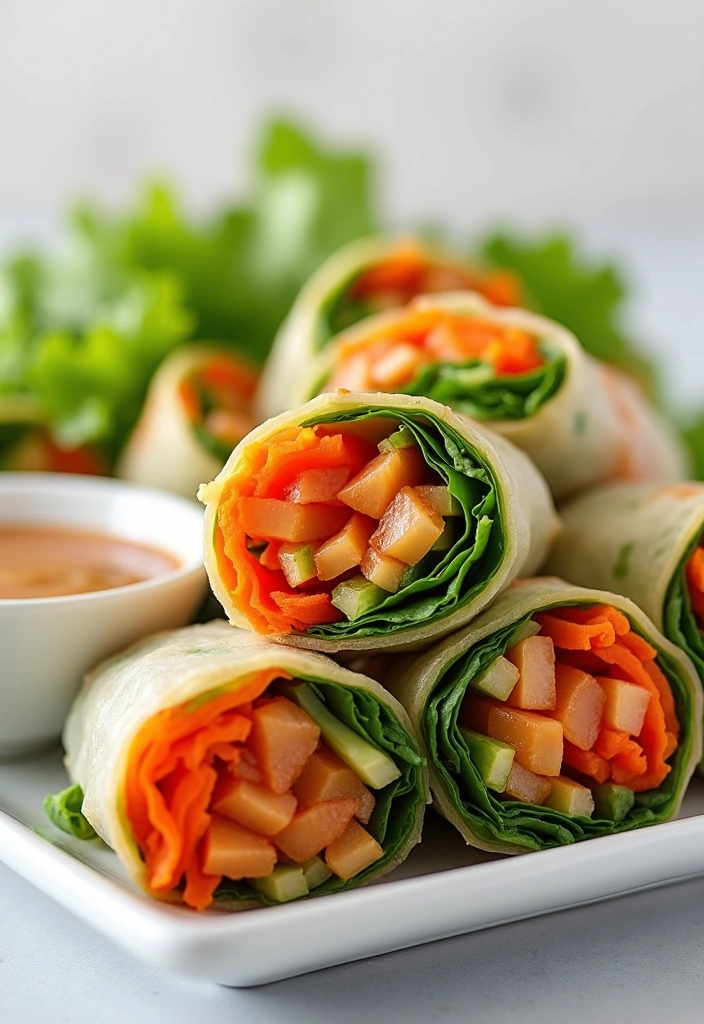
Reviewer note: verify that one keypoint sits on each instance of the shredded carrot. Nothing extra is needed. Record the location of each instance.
(170, 780)
(390, 356)
(609, 742)
(695, 582)
(586, 761)
(257, 585)
(574, 636)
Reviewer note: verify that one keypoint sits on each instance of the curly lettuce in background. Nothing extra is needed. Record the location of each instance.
(82, 331)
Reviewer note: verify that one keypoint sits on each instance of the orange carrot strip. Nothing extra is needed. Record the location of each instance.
(269, 558)
(630, 760)
(307, 609)
(667, 699)
(638, 646)
(609, 742)
(695, 570)
(574, 636)
(586, 762)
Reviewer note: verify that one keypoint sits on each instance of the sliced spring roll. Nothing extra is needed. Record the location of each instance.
(582, 422)
(359, 521)
(26, 445)
(196, 411)
(361, 279)
(561, 714)
(224, 769)
(646, 542)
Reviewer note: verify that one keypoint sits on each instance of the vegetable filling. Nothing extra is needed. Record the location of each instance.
(569, 712)
(481, 368)
(320, 527)
(407, 272)
(216, 399)
(263, 792)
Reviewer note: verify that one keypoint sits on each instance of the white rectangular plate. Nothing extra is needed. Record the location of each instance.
(443, 889)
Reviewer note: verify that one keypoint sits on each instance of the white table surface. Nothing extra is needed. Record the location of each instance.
(638, 958)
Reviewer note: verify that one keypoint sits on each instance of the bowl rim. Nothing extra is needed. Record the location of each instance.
(77, 483)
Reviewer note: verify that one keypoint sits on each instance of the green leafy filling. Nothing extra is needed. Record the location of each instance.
(521, 825)
(396, 805)
(681, 625)
(477, 552)
(65, 810)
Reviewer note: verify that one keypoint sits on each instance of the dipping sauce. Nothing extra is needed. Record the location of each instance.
(53, 561)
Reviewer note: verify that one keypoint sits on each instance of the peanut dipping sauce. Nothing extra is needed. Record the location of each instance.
(54, 561)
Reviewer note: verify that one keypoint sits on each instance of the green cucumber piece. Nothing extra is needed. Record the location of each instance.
(285, 883)
(439, 496)
(527, 630)
(446, 538)
(612, 802)
(298, 563)
(401, 438)
(497, 680)
(569, 797)
(356, 596)
(492, 759)
(373, 766)
(315, 871)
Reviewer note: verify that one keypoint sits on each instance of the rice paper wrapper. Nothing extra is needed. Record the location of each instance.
(167, 670)
(164, 450)
(596, 426)
(526, 519)
(415, 680)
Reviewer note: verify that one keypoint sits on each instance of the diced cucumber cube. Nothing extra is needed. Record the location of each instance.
(528, 629)
(446, 538)
(286, 882)
(497, 680)
(315, 872)
(492, 759)
(419, 571)
(356, 596)
(612, 802)
(570, 797)
(298, 563)
(474, 376)
(401, 438)
(373, 766)
(440, 498)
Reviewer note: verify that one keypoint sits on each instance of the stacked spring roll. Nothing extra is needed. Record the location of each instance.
(227, 770)
(196, 411)
(359, 522)
(582, 422)
(559, 715)
(646, 542)
(364, 278)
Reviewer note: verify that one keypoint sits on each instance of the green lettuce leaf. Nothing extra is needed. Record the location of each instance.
(396, 805)
(475, 556)
(65, 809)
(511, 821)
(587, 298)
(693, 437)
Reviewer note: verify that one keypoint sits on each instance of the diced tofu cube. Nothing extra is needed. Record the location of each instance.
(579, 706)
(534, 658)
(253, 806)
(498, 680)
(326, 777)
(444, 503)
(282, 739)
(234, 851)
(382, 570)
(354, 851)
(317, 485)
(569, 797)
(526, 786)
(314, 828)
(625, 706)
(372, 490)
(283, 520)
(297, 563)
(537, 740)
(345, 549)
(409, 528)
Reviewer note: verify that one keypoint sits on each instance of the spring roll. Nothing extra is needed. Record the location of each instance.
(26, 444)
(359, 521)
(646, 542)
(196, 411)
(226, 770)
(580, 421)
(561, 714)
(364, 278)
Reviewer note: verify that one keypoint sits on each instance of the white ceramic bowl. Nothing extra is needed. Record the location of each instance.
(47, 644)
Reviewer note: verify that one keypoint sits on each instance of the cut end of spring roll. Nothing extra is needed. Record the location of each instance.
(227, 771)
(362, 520)
(561, 714)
